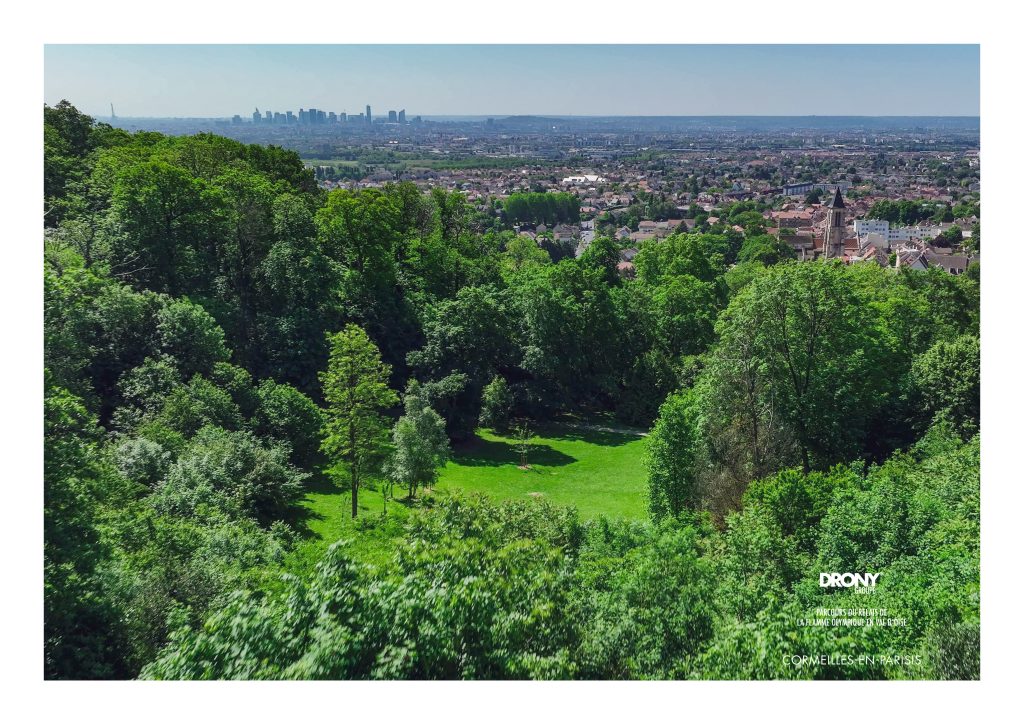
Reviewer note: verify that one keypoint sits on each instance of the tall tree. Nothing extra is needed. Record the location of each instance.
(355, 385)
(420, 443)
(806, 338)
(672, 451)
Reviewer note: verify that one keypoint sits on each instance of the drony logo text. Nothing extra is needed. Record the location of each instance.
(847, 580)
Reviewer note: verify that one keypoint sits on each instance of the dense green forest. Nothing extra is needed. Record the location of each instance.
(223, 337)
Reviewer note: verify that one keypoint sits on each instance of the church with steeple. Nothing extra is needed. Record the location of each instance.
(831, 238)
(835, 228)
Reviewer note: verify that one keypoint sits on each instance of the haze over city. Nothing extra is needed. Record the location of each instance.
(224, 80)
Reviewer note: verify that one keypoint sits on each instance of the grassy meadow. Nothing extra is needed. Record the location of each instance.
(599, 470)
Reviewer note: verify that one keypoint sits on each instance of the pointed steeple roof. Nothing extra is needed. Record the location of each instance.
(837, 201)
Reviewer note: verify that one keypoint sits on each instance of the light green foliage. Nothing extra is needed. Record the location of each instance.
(680, 599)
(948, 376)
(355, 386)
(496, 404)
(765, 249)
(230, 471)
(142, 461)
(522, 252)
(197, 404)
(646, 606)
(673, 457)
(419, 442)
(698, 255)
(191, 336)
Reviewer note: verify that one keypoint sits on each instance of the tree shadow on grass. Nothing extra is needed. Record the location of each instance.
(299, 518)
(300, 515)
(478, 452)
(321, 482)
(605, 438)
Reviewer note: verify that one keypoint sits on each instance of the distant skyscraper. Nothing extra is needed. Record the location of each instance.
(401, 116)
(392, 116)
(256, 117)
(343, 118)
(369, 117)
(269, 117)
(290, 117)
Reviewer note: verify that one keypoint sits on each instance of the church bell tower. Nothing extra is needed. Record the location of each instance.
(835, 227)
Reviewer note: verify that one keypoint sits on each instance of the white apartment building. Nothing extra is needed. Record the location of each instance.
(863, 227)
(586, 178)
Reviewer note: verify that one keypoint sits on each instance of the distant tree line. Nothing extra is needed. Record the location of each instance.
(542, 208)
(906, 212)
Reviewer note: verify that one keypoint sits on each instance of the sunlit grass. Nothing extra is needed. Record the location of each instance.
(601, 473)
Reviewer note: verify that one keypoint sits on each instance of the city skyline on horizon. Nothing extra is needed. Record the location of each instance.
(499, 116)
(165, 81)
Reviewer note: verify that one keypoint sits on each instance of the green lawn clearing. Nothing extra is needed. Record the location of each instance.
(597, 469)
(600, 471)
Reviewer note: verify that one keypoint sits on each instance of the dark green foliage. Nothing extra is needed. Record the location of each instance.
(468, 340)
(80, 625)
(951, 237)
(570, 321)
(908, 213)
(797, 501)
(287, 415)
(542, 208)
(603, 254)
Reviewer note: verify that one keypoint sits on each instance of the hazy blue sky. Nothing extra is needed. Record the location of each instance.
(221, 80)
